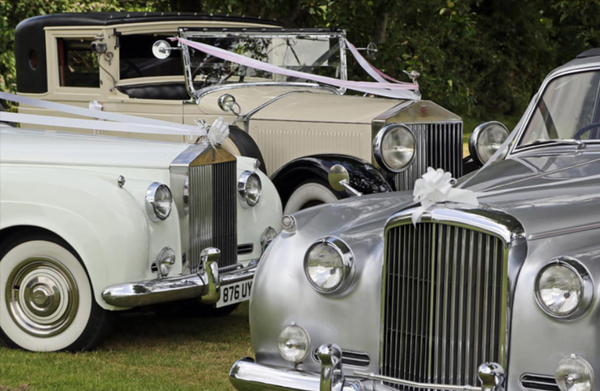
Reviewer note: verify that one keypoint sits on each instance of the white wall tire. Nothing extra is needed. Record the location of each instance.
(308, 194)
(46, 300)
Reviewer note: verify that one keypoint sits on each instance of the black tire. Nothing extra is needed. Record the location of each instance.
(193, 309)
(83, 331)
(246, 145)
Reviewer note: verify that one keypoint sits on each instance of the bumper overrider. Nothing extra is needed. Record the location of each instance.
(205, 285)
(247, 375)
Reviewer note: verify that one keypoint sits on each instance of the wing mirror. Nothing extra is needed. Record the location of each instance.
(339, 180)
(162, 49)
(371, 50)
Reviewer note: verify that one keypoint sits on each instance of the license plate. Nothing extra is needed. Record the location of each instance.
(235, 293)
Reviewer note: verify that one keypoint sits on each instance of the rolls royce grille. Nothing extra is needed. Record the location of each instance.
(213, 212)
(438, 145)
(445, 295)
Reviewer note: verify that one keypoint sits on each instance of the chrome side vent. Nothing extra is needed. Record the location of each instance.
(439, 145)
(213, 207)
(352, 358)
(445, 300)
(534, 382)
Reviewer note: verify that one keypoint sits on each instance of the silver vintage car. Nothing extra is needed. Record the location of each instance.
(501, 295)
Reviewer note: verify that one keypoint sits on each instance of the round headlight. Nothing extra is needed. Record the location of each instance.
(574, 374)
(293, 344)
(394, 147)
(329, 265)
(250, 187)
(158, 201)
(563, 288)
(486, 139)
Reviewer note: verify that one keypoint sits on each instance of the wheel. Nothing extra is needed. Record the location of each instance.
(192, 309)
(309, 194)
(46, 299)
(240, 143)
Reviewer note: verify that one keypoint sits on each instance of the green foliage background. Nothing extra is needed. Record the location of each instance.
(478, 58)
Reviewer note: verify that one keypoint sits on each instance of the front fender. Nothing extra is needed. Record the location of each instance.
(364, 177)
(105, 224)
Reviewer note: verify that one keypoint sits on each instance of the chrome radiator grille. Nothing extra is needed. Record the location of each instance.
(213, 212)
(438, 145)
(445, 301)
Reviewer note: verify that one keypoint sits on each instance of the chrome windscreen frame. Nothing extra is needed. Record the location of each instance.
(481, 219)
(259, 33)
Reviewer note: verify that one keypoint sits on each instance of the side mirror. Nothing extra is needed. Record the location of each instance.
(339, 180)
(371, 50)
(161, 49)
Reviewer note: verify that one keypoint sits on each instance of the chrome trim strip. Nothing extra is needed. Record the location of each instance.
(564, 231)
(417, 384)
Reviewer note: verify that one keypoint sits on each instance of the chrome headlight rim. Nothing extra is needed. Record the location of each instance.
(475, 138)
(378, 143)
(585, 281)
(348, 268)
(152, 210)
(243, 187)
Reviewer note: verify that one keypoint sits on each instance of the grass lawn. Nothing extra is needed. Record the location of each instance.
(144, 352)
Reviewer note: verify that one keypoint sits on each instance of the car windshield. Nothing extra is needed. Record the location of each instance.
(310, 53)
(568, 109)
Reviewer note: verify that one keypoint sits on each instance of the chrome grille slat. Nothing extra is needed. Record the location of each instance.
(213, 212)
(439, 145)
(443, 303)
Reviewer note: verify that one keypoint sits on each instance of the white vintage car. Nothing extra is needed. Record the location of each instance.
(298, 129)
(91, 225)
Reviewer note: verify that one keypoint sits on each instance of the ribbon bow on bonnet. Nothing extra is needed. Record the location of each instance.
(435, 187)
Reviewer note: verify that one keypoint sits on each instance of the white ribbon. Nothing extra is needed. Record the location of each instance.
(218, 132)
(122, 122)
(435, 187)
(381, 88)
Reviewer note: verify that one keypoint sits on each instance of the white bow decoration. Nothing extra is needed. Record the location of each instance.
(218, 132)
(436, 186)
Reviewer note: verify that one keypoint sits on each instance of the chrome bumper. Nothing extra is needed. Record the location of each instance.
(247, 375)
(206, 285)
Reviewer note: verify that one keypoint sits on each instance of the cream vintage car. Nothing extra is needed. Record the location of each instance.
(299, 129)
(93, 225)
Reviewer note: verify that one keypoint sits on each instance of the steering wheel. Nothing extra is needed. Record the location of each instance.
(585, 129)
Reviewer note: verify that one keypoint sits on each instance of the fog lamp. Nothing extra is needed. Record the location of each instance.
(563, 288)
(165, 261)
(294, 344)
(328, 265)
(574, 374)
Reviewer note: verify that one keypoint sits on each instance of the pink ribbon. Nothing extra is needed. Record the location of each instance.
(381, 88)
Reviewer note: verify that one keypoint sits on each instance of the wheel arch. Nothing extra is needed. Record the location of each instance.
(364, 177)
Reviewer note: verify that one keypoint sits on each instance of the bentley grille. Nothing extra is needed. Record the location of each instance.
(438, 145)
(213, 209)
(445, 301)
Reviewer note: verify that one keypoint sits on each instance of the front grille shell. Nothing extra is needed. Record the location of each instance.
(415, 343)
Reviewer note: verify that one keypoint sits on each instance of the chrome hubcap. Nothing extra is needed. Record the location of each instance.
(42, 296)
